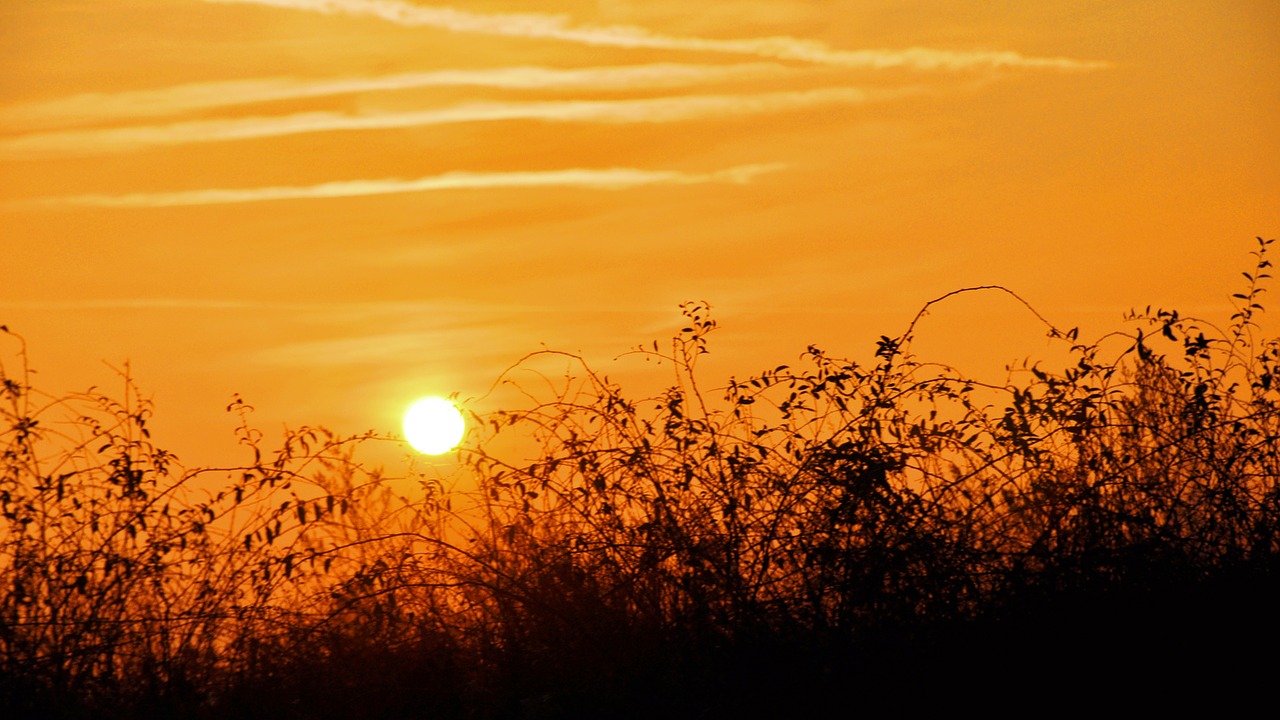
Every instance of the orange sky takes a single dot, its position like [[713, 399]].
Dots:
[[333, 206]]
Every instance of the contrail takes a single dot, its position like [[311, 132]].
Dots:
[[608, 179], [96, 107], [558, 27], [645, 110]]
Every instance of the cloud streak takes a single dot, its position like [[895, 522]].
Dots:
[[558, 27], [606, 179], [646, 110], [132, 304], [92, 108], [344, 311]]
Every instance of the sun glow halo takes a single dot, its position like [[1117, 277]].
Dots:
[[433, 425]]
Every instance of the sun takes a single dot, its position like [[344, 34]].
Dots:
[[433, 425]]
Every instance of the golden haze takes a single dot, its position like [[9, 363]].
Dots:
[[335, 212]]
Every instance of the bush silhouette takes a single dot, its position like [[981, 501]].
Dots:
[[834, 534]]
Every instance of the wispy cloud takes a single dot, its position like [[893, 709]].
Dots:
[[337, 311], [381, 349], [559, 27], [91, 108], [646, 110], [608, 179], [130, 304]]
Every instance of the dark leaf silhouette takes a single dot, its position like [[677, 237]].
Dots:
[[825, 534]]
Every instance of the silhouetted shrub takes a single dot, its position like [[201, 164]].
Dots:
[[829, 531]]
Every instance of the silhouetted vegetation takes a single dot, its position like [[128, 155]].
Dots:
[[830, 534]]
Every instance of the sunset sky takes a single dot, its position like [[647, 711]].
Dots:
[[332, 207]]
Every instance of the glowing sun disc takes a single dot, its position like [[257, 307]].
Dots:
[[433, 426]]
